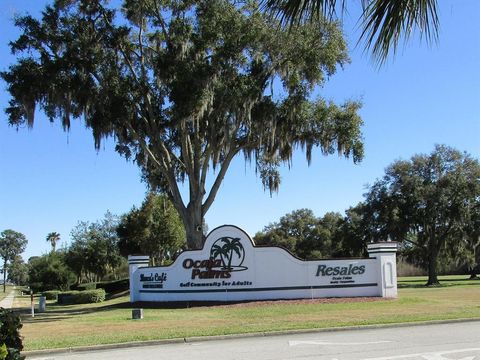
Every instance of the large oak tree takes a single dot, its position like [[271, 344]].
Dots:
[[428, 202], [184, 87]]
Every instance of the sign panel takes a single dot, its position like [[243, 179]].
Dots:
[[231, 268]]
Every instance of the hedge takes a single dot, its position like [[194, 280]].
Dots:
[[84, 286], [81, 297], [51, 294], [116, 286]]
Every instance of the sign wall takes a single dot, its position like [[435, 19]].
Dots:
[[231, 268]]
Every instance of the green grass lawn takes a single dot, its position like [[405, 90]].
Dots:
[[445, 281], [110, 322], [7, 291]]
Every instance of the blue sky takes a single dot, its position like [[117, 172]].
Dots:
[[425, 95]]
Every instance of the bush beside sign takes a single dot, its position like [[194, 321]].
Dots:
[[231, 268]]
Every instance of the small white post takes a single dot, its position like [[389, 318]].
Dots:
[[32, 303], [135, 262], [385, 253]]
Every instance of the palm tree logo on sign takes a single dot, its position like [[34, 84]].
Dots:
[[230, 251]]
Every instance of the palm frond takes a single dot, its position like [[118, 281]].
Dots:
[[384, 22], [295, 11]]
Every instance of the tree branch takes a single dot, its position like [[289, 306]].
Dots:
[[415, 243], [172, 181], [186, 155], [160, 20], [204, 170], [122, 51], [165, 168], [218, 181]]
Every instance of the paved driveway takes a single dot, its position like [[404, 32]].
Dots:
[[7, 302]]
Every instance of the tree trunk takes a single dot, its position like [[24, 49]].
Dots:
[[473, 274], [432, 269], [193, 226], [161, 257]]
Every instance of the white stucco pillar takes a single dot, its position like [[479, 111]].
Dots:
[[385, 253], [135, 262]]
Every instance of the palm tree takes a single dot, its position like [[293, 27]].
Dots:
[[383, 22], [230, 245], [218, 250], [53, 238]]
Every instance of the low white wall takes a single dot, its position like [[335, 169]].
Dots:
[[231, 268]]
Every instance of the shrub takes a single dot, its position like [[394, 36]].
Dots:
[[112, 287], [51, 294], [3, 352], [85, 286], [81, 297], [49, 272], [10, 326], [65, 297]]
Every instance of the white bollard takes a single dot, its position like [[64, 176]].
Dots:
[[32, 303]]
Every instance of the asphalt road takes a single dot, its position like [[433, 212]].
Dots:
[[459, 341]]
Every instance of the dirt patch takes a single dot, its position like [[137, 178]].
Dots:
[[191, 304], [306, 301]]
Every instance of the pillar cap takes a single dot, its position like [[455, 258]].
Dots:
[[386, 246], [138, 259]]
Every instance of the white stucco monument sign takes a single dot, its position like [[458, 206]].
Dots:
[[231, 268]]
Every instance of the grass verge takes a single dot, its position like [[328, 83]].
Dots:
[[110, 322]]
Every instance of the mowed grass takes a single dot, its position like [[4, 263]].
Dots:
[[8, 288], [110, 322]]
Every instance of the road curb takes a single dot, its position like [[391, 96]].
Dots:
[[195, 339]]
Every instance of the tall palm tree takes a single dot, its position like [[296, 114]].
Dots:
[[53, 238], [383, 22]]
